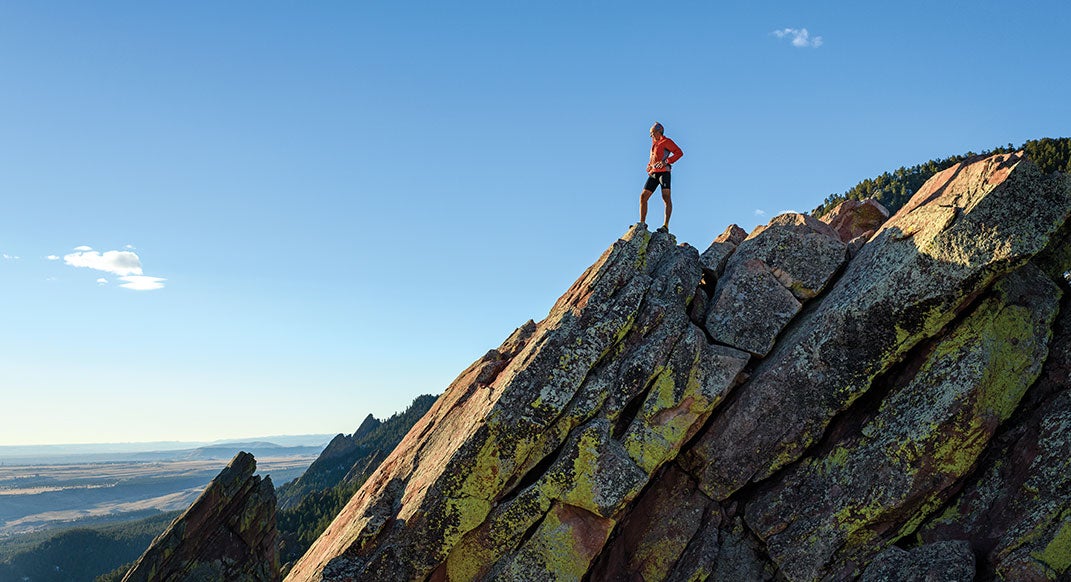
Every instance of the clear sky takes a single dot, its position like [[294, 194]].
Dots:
[[230, 219]]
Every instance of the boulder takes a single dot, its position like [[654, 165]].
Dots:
[[750, 308], [964, 228], [853, 218], [714, 258], [227, 534], [801, 251]]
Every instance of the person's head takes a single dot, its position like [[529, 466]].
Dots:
[[657, 130]]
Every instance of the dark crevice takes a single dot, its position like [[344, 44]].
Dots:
[[530, 477], [630, 411]]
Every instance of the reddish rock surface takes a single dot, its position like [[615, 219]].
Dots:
[[854, 218]]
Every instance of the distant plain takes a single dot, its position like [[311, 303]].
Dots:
[[45, 495]]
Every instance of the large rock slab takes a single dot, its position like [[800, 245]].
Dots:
[[557, 442], [227, 534], [853, 218], [964, 228], [834, 512], [1018, 511]]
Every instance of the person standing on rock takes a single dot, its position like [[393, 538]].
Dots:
[[664, 153]]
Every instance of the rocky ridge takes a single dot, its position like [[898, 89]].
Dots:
[[811, 401], [227, 534]]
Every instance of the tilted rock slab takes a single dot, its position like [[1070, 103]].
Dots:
[[227, 534], [1018, 511], [527, 470], [833, 513], [967, 226]]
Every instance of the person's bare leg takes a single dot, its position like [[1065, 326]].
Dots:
[[669, 205], [644, 196]]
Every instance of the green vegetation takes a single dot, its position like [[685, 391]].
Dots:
[[80, 553], [894, 189], [309, 503]]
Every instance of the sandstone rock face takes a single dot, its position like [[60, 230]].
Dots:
[[1017, 509], [853, 218], [227, 534], [877, 485], [591, 403], [767, 411], [963, 229]]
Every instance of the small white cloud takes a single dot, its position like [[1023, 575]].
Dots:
[[760, 212], [102, 281], [786, 212], [116, 262], [129, 247], [83, 248], [800, 37], [8, 257], [142, 282], [52, 257]]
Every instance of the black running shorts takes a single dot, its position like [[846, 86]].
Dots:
[[654, 179]]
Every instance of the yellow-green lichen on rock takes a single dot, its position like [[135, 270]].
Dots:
[[561, 548], [922, 268], [878, 486]]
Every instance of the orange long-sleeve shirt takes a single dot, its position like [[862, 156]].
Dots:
[[660, 152]]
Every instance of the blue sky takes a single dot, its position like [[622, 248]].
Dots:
[[326, 209]]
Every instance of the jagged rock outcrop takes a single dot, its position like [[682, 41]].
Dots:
[[716, 255], [853, 219], [227, 534], [907, 414], [766, 280]]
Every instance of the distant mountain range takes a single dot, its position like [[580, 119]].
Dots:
[[271, 446]]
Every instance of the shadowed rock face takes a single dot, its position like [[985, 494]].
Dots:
[[227, 534], [915, 394]]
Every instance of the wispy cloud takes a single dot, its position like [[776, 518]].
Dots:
[[760, 212], [8, 257], [786, 212], [124, 264], [52, 257], [142, 282], [799, 36]]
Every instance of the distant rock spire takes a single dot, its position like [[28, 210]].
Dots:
[[227, 534]]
